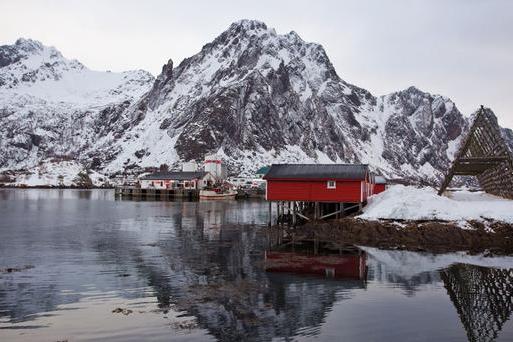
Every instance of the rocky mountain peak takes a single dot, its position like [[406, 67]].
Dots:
[[248, 47], [248, 25], [29, 45], [25, 48], [10, 54], [28, 61]]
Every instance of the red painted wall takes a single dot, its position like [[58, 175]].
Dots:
[[379, 188], [348, 266], [315, 191]]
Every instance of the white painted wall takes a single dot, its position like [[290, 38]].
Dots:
[[152, 184], [190, 166], [192, 184]]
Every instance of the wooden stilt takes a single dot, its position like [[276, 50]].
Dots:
[[280, 212], [288, 213], [270, 213]]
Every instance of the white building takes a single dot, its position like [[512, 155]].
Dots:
[[215, 166], [190, 166], [177, 180]]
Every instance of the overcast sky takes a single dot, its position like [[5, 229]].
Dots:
[[462, 49]]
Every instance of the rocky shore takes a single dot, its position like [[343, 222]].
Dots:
[[489, 237]]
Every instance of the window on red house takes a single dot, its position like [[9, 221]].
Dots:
[[332, 184]]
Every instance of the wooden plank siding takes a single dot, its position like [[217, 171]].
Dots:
[[378, 188], [350, 191]]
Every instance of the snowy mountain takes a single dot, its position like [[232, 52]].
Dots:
[[252, 95], [259, 97], [55, 108]]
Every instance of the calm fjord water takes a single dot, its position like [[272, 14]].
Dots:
[[194, 271]]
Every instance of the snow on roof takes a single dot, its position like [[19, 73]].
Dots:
[[380, 180], [401, 202], [317, 171]]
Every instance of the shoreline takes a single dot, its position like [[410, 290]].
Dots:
[[54, 187], [490, 238]]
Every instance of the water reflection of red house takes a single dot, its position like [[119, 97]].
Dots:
[[351, 266]]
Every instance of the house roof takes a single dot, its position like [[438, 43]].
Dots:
[[263, 170], [380, 180], [317, 171], [182, 175]]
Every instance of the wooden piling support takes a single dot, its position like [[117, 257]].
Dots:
[[294, 209], [270, 213]]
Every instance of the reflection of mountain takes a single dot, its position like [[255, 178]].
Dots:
[[482, 296], [212, 269]]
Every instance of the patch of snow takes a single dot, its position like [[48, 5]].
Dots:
[[401, 202], [452, 148], [158, 144], [62, 173]]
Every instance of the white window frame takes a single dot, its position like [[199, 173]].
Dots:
[[331, 184]]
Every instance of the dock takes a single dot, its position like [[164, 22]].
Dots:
[[132, 192], [250, 193]]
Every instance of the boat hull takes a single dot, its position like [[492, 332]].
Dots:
[[212, 195]]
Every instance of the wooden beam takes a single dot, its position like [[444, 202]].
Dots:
[[297, 212], [330, 214], [494, 159]]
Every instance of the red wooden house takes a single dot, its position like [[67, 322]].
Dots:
[[316, 191], [331, 183]]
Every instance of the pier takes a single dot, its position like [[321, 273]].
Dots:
[[136, 193], [250, 193]]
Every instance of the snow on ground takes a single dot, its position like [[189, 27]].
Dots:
[[50, 173], [410, 203], [408, 264]]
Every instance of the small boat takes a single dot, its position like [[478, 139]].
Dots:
[[216, 194]]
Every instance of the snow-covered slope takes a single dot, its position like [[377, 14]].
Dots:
[[53, 107], [59, 173], [252, 95]]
